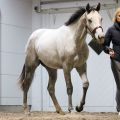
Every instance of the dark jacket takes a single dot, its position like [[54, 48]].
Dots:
[[113, 35]]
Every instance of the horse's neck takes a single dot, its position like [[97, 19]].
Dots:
[[80, 32]]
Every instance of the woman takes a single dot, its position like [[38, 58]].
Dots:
[[113, 35]]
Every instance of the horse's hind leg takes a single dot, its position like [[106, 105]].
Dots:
[[27, 77], [82, 72], [51, 88]]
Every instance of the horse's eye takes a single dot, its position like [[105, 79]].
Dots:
[[90, 20]]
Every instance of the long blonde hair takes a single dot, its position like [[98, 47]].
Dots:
[[115, 15]]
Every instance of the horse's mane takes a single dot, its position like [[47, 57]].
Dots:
[[75, 16]]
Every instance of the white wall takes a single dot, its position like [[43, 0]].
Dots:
[[16, 24], [101, 93]]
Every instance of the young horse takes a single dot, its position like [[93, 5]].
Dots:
[[63, 48]]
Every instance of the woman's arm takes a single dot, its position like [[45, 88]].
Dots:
[[108, 37], [106, 48]]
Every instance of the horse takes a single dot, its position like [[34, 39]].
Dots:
[[62, 48]]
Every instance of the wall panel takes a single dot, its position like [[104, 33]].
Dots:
[[16, 25]]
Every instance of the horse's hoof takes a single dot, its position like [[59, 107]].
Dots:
[[27, 112], [70, 109], [61, 112], [79, 109]]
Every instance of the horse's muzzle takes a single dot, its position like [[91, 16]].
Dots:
[[101, 39]]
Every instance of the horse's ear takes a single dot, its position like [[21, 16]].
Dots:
[[98, 7], [88, 8]]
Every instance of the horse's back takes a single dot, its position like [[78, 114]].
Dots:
[[49, 36]]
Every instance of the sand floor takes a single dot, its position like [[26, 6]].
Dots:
[[55, 116]]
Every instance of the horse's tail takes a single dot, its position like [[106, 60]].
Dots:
[[27, 74], [22, 78], [26, 77]]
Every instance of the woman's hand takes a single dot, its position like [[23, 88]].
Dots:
[[111, 53]]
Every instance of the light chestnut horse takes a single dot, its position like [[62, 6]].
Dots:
[[63, 48]]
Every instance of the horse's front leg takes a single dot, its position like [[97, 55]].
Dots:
[[51, 88], [82, 72], [69, 86]]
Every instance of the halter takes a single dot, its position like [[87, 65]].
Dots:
[[94, 30]]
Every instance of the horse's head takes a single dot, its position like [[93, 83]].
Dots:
[[94, 23]]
